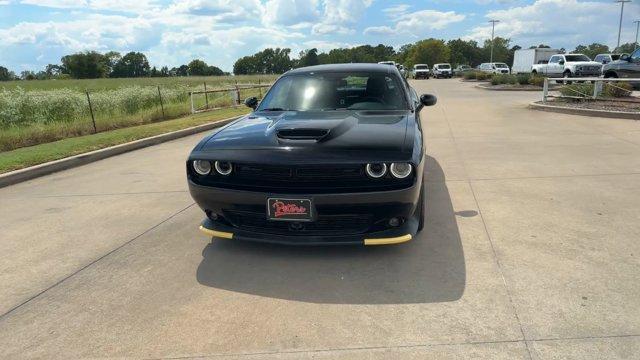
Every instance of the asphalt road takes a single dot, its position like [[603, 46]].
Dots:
[[530, 250]]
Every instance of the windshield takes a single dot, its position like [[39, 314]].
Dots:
[[574, 58], [500, 65], [422, 67], [335, 90], [444, 66]]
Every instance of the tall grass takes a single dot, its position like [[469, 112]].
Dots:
[[39, 116]]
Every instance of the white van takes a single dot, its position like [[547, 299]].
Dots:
[[442, 71], [494, 68]]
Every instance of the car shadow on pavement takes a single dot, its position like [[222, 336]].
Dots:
[[430, 268]]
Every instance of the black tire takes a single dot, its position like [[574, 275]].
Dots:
[[610, 75], [422, 210], [534, 73], [567, 75]]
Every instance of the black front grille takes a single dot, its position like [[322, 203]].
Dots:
[[302, 179], [323, 225]]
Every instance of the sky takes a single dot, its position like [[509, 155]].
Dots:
[[34, 33]]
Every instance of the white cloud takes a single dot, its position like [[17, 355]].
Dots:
[[396, 10], [290, 12], [559, 23], [339, 15], [417, 23]]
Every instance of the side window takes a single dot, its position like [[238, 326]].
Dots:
[[554, 60], [636, 56], [599, 58]]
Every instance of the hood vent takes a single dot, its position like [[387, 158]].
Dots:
[[302, 134]]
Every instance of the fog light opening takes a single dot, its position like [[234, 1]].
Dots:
[[396, 221]]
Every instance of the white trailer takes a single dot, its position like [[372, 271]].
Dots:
[[524, 59]]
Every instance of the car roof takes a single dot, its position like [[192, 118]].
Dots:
[[355, 67]]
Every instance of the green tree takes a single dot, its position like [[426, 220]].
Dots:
[[501, 50], [5, 74], [627, 48], [464, 52], [308, 58], [133, 64], [267, 61], [430, 51], [592, 50], [86, 65]]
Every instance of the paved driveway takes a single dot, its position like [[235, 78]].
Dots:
[[530, 250]]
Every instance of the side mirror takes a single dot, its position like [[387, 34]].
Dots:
[[251, 102], [428, 100]]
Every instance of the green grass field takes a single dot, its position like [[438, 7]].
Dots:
[[41, 111], [110, 84], [38, 154]]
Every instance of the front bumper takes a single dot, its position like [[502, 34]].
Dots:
[[378, 207]]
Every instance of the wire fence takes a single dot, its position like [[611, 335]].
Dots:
[[229, 96], [588, 89]]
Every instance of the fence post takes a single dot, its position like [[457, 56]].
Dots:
[[206, 96], [237, 99], [193, 110], [259, 88], [93, 119], [597, 88], [545, 90], [161, 104]]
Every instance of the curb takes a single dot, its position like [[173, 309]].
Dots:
[[586, 112], [493, 88], [32, 172]]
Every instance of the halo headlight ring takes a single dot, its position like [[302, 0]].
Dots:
[[223, 167], [376, 170], [201, 167], [401, 170]]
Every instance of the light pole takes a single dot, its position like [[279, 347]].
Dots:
[[622, 2], [493, 30], [637, 22]]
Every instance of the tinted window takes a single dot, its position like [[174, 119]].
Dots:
[[422, 67], [501, 66], [615, 57], [329, 91], [636, 55], [573, 58], [444, 66]]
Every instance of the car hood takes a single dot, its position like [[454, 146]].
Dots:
[[421, 70], [583, 63], [322, 131]]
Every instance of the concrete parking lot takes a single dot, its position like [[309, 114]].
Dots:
[[531, 251]]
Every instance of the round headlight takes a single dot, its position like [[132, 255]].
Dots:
[[202, 167], [223, 167], [400, 170], [376, 170]]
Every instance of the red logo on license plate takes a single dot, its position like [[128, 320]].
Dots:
[[282, 208]]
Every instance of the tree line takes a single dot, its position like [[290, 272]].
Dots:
[[92, 64], [428, 51]]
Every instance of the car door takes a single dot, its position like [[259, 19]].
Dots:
[[554, 68], [631, 68]]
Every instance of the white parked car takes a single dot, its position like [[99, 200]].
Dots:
[[607, 58], [567, 66], [494, 68], [421, 71], [442, 71]]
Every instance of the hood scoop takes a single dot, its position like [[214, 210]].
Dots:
[[302, 134]]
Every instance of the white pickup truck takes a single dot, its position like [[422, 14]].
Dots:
[[567, 66]]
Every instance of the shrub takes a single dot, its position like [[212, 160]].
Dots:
[[523, 79], [498, 79], [579, 90], [481, 75], [616, 90], [469, 75], [536, 80]]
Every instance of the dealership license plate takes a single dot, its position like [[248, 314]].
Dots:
[[289, 209]]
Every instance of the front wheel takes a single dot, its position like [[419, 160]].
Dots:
[[567, 75]]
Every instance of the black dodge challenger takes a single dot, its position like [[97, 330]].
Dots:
[[333, 154]]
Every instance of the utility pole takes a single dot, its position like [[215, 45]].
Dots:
[[637, 22], [622, 2], [493, 30]]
